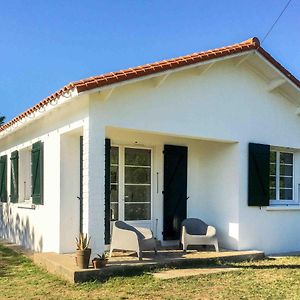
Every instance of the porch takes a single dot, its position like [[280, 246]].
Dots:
[[198, 178], [122, 264]]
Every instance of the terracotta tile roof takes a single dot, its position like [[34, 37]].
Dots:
[[153, 68]]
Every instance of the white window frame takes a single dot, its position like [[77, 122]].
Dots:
[[278, 201], [121, 199]]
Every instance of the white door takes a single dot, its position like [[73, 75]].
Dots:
[[131, 185]]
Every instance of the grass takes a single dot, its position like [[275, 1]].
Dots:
[[266, 279]]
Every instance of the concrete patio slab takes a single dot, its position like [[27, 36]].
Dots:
[[125, 265], [175, 273]]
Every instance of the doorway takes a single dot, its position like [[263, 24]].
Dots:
[[175, 190]]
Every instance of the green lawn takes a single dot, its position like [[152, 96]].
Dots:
[[268, 279]]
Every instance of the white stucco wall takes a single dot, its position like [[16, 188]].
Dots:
[[43, 227], [69, 186]]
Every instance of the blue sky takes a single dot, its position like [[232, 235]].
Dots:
[[47, 44]]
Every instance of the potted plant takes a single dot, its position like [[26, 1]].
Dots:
[[83, 252], [100, 261]]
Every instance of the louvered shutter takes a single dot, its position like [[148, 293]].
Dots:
[[3, 178], [258, 175], [37, 172], [14, 177]]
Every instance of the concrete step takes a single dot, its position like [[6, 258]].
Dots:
[[64, 265]]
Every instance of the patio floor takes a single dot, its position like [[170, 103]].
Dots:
[[124, 264]]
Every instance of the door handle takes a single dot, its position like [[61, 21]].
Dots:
[[79, 198]]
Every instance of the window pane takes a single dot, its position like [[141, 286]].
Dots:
[[114, 155], [137, 193], [272, 194], [114, 174], [286, 182], [137, 175], [286, 194], [272, 169], [273, 157], [137, 157], [114, 210], [137, 211], [272, 181], [286, 170], [286, 158], [114, 193]]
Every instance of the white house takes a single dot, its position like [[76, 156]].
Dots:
[[212, 135]]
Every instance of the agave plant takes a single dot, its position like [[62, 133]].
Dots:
[[82, 241]]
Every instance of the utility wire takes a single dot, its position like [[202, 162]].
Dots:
[[273, 25]]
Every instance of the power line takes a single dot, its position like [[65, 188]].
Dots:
[[273, 25]]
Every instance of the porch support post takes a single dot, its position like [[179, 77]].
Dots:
[[93, 181]]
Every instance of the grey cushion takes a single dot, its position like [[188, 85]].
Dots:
[[195, 226]]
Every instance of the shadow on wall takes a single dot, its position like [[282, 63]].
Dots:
[[4, 224], [18, 230]]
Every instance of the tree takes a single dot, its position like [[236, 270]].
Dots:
[[2, 119]]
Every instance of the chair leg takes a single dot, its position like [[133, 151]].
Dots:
[[184, 247], [139, 254], [216, 246], [111, 251]]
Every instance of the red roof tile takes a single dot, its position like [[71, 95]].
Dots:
[[153, 68]]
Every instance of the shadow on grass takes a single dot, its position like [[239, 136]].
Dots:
[[8, 260]]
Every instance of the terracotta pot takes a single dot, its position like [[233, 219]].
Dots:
[[99, 263], [83, 258]]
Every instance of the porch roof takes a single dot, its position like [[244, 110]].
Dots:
[[252, 44]]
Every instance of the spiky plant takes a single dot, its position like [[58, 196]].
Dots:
[[104, 256], [82, 241]]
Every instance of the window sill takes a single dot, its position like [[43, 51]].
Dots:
[[295, 207], [26, 205]]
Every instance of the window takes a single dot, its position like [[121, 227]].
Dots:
[[137, 184], [130, 183], [25, 175], [114, 183], [30, 178], [281, 177]]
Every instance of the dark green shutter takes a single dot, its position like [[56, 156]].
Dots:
[[258, 175], [14, 177], [37, 172], [3, 178], [107, 191], [81, 185]]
